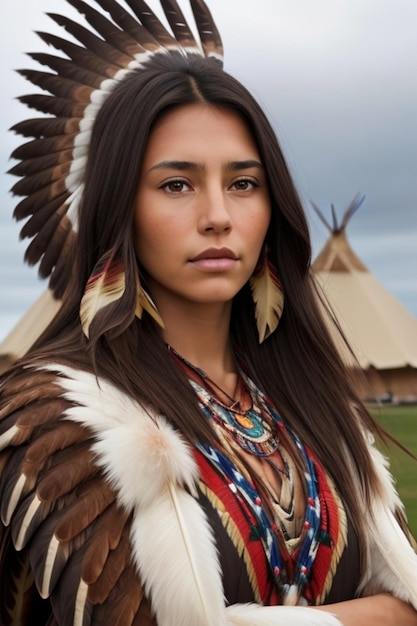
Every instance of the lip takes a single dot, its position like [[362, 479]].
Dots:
[[215, 253], [215, 260]]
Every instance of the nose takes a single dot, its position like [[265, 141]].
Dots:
[[214, 214]]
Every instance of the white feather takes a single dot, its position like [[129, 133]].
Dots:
[[154, 472], [392, 562], [49, 567], [255, 615], [175, 552], [30, 513], [14, 499]]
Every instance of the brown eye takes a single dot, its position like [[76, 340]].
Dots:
[[175, 186], [244, 184]]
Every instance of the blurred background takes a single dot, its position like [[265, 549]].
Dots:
[[337, 78]]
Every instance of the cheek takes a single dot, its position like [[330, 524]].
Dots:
[[258, 228]]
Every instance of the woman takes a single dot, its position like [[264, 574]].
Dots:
[[181, 446]]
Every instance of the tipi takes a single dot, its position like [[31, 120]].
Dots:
[[28, 328], [379, 329]]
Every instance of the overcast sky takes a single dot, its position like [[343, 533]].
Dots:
[[338, 79]]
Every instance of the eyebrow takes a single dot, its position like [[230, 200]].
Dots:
[[189, 165]]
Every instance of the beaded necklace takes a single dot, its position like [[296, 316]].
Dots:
[[252, 430], [256, 437], [290, 584]]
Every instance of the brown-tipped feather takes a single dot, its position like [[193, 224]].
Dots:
[[60, 107], [152, 24], [38, 219], [43, 239], [60, 277], [99, 47], [47, 127], [43, 147], [36, 182], [54, 259], [123, 19], [28, 167], [26, 208], [117, 38], [178, 23], [67, 69], [207, 29], [81, 56], [61, 87]]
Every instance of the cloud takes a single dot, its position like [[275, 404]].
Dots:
[[338, 81]]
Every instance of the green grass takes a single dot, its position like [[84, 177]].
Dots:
[[401, 422]]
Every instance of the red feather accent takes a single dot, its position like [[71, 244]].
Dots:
[[106, 285]]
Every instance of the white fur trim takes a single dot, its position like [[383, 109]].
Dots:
[[153, 471], [392, 562], [255, 615]]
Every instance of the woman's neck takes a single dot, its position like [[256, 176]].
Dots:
[[201, 336]]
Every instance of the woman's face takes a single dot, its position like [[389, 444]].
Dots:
[[202, 206]]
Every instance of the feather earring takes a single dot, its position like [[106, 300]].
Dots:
[[105, 286], [268, 297], [145, 303]]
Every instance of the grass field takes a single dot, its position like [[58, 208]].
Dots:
[[401, 422]]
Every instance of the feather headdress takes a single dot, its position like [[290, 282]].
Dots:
[[76, 83]]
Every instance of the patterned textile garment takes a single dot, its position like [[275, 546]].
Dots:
[[280, 511], [104, 506]]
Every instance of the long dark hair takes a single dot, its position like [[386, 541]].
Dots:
[[297, 366]]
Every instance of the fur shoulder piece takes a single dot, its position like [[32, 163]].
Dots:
[[100, 493], [392, 560]]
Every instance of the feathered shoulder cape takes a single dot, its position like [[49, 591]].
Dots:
[[100, 513]]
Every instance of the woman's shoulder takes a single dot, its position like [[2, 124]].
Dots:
[[59, 510]]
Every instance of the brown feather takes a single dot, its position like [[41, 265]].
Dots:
[[152, 24], [81, 56], [66, 469], [127, 23], [29, 167], [43, 147], [117, 38], [38, 219], [61, 87], [67, 69], [56, 258], [96, 45], [45, 236], [111, 535], [178, 23], [93, 497], [45, 390], [209, 34], [41, 180], [61, 107], [123, 602], [47, 127], [17, 588]]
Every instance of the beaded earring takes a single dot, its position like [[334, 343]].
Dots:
[[267, 295]]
